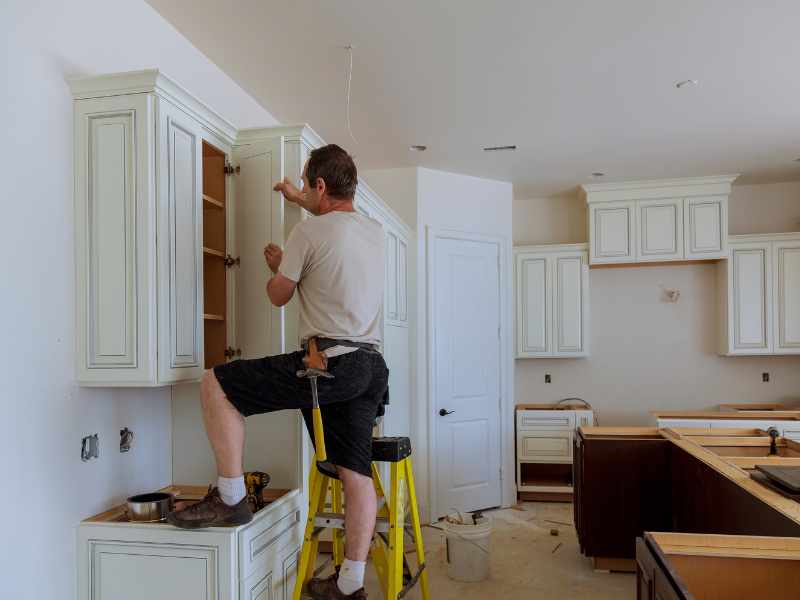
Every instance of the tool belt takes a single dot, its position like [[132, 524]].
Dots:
[[324, 343]]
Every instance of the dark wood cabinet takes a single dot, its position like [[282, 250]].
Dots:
[[654, 578], [621, 490]]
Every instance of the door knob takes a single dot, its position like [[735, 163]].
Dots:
[[444, 413]]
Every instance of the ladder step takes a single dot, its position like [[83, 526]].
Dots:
[[329, 520]]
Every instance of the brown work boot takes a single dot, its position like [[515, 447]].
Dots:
[[211, 511], [326, 589]]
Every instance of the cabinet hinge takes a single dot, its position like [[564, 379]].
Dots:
[[230, 352], [230, 261], [230, 169]]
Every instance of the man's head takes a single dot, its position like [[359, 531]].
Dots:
[[329, 179]]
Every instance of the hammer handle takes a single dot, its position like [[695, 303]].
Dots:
[[319, 436]]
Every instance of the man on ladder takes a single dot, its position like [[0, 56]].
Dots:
[[335, 262]]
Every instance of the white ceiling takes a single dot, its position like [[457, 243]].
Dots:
[[578, 85]]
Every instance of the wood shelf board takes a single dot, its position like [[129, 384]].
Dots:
[[209, 317], [209, 202], [728, 545], [213, 252], [550, 407], [619, 431], [756, 406], [750, 462], [184, 492], [755, 415]]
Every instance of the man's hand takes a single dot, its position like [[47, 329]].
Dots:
[[274, 255], [289, 191]]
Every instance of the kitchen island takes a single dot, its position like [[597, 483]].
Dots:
[[629, 480], [123, 560]]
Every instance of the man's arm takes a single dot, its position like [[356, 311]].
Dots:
[[280, 289]]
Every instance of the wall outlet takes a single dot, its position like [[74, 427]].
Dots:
[[765, 377], [90, 447], [125, 439], [547, 378]]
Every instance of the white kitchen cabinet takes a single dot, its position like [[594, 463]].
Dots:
[[613, 232], [544, 447], [759, 295], [660, 225], [786, 295], [705, 219], [120, 560], [552, 297], [659, 220]]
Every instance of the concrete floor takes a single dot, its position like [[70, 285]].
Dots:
[[524, 561]]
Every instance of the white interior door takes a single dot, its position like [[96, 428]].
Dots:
[[465, 327]]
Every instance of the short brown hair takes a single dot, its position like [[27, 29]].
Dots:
[[336, 168]]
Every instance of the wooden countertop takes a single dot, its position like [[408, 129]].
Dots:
[[753, 415], [551, 407]]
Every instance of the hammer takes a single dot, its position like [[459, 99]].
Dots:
[[316, 364]]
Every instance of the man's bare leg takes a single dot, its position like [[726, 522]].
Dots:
[[224, 427], [361, 507]]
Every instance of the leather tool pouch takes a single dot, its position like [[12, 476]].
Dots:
[[314, 359]]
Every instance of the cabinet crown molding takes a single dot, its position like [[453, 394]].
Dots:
[[301, 132], [657, 188], [156, 82]]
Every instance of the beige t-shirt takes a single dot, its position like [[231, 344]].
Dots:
[[337, 260]]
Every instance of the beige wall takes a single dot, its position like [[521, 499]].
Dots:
[[647, 354]]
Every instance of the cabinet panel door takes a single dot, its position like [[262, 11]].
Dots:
[[786, 261], [259, 325], [402, 280], [751, 299], [180, 237], [130, 571], [571, 284], [612, 232], [660, 225], [533, 306], [544, 446], [391, 275], [115, 264], [706, 229]]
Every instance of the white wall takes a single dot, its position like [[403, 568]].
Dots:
[[647, 354], [437, 199], [46, 489]]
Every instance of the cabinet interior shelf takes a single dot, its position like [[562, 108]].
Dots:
[[212, 252], [210, 317], [209, 202]]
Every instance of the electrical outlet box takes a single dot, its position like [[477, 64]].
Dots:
[[547, 378], [765, 377], [90, 447]]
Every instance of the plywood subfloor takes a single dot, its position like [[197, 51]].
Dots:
[[523, 564]]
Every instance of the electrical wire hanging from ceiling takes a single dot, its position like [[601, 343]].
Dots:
[[349, 49]]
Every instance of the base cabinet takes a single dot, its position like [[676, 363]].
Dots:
[[129, 561]]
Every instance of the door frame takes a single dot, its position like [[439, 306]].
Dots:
[[506, 433]]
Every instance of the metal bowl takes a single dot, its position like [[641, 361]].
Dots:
[[150, 508]]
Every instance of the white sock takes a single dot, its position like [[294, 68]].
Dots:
[[231, 489], [351, 576]]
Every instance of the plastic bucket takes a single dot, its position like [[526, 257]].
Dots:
[[468, 549]]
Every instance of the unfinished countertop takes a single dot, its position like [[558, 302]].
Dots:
[[739, 414]]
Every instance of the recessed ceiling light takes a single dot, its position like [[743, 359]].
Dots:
[[598, 174], [418, 148], [498, 148], [686, 83]]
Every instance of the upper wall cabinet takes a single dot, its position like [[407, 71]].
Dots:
[[655, 221], [552, 298], [759, 288]]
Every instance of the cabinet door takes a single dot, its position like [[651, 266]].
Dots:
[[660, 225], [115, 241], [132, 571], [612, 232], [259, 210], [786, 264], [570, 305], [706, 227], [546, 446], [392, 291], [750, 293], [533, 306], [180, 254]]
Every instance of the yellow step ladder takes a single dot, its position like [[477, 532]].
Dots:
[[388, 542]]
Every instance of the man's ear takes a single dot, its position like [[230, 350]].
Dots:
[[320, 186]]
